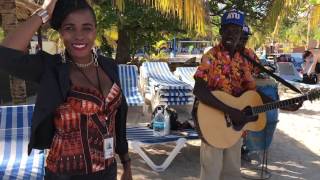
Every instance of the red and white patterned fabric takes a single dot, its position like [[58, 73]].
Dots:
[[82, 122]]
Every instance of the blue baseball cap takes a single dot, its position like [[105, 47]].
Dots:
[[233, 17], [246, 30]]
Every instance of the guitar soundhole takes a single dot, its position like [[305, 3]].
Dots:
[[248, 111]]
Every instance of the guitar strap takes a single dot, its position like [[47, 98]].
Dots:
[[278, 78]]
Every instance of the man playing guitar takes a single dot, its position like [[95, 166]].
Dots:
[[223, 68]]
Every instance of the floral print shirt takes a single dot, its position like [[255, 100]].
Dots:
[[233, 75]]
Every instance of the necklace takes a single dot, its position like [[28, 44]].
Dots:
[[90, 82], [80, 65]]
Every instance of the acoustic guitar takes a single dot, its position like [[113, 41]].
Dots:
[[217, 128]]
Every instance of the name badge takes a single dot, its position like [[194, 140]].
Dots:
[[108, 148]]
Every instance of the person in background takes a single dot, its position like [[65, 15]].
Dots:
[[316, 57], [308, 69], [309, 63], [283, 58], [80, 111]]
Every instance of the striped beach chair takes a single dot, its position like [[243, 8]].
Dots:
[[15, 122], [142, 136], [129, 82], [288, 71], [163, 86], [137, 109], [186, 74]]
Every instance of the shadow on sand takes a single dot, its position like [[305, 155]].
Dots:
[[288, 160]]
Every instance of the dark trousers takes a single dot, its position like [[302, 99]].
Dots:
[[108, 174]]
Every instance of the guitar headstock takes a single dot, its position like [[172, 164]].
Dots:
[[313, 94]]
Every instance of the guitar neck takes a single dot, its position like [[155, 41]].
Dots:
[[278, 104]]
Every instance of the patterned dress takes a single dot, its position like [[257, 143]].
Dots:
[[82, 122]]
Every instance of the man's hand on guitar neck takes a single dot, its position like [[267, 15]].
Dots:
[[293, 107]]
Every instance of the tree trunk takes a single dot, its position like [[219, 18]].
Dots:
[[9, 23], [123, 46], [18, 90], [309, 28]]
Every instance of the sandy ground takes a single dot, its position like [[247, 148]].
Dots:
[[293, 154]]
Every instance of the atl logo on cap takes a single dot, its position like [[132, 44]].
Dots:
[[233, 15]]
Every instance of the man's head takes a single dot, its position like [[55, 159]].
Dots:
[[244, 38], [231, 29]]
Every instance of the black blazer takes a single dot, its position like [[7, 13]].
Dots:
[[52, 75]]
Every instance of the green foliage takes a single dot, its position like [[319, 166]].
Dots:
[[1, 34], [255, 11], [295, 33], [317, 34], [314, 2], [145, 25]]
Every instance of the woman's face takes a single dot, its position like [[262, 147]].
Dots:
[[78, 32]]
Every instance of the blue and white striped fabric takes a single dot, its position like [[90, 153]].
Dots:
[[145, 135], [129, 82], [186, 74], [14, 137], [177, 92], [15, 116], [161, 82], [160, 75]]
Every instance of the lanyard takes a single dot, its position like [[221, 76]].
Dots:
[[89, 81]]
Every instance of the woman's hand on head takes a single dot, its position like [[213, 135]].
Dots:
[[49, 6]]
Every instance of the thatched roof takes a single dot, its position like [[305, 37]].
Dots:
[[25, 8]]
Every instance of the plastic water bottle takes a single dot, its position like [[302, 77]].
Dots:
[[159, 123], [167, 122]]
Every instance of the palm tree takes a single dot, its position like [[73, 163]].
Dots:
[[11, 11], [281, 9], [191, 12]]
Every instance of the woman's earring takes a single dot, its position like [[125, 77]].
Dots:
[[95, 56], [63, 56]]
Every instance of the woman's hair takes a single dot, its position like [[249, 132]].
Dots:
[[64, 7], [306, 54]]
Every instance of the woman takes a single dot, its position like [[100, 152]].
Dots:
[[308, 69], [80, 112]]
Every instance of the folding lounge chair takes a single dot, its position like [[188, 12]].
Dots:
[[164, 87], [15, 116], [14, 137], [185, 74], [304, 86], [140, 136], [129, 82], [288, 72]]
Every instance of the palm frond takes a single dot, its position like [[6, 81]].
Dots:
[[315, 16], [191, 12], [279, 10]]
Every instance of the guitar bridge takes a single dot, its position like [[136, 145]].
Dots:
[[228, 119]]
